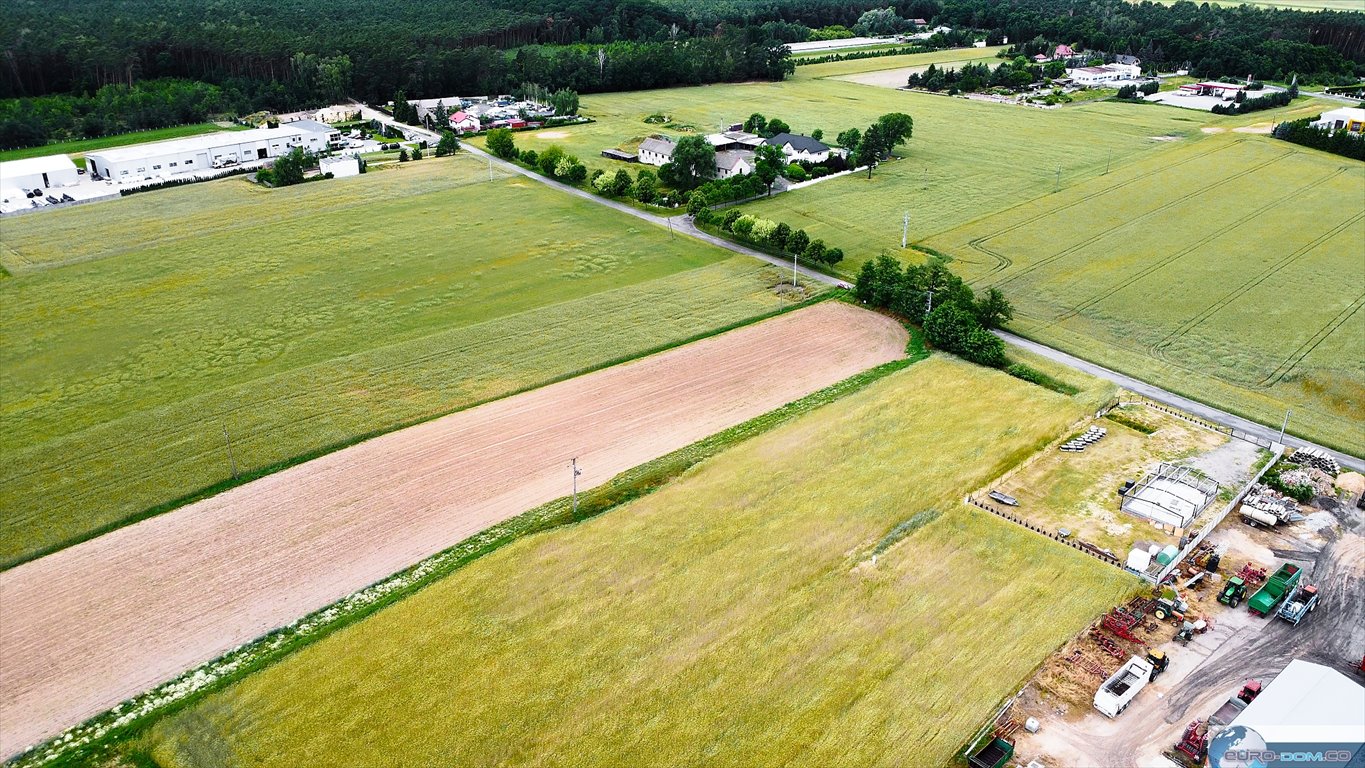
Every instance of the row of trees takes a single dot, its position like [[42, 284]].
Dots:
[[1341, 142], [1013, 75], [1135, 92], [777, 235], [954, 318], [111, 110]]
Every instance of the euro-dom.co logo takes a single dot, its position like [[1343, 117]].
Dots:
[[1242, 747]]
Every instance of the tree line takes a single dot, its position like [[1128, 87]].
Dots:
[[1340, 142]]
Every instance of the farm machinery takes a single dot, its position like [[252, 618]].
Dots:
[[1194, 744], [1276, 589], [1233, 593], [1300, 604]]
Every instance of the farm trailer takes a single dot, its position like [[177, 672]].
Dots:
[[1300, 604], [1275, 589]]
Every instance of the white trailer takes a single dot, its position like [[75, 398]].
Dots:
[[1119, 690]]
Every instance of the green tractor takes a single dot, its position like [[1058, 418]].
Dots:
[[1233, 594]]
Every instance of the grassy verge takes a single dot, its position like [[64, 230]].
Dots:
[[100, 736], [1035, 376]]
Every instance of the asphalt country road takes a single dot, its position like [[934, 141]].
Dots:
[[684, 225]]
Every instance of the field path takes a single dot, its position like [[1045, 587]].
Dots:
[[94, 624]]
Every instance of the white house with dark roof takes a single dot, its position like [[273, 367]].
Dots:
[[800, 148], [656, 151]]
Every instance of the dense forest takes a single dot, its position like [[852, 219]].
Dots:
[[91, 67]]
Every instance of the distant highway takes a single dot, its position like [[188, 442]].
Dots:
[[684, 225]]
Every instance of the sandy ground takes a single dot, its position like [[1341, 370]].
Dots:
[[92, 625], [552, 134], [1214, 665]]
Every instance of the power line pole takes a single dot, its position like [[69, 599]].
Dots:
[[793, 269], [232, 461], [1285, 425], [576, 472], [905, 228]]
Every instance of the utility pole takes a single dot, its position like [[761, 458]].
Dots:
[[1285, 425], [905, 228], [490, 167], [576, 472], [232, 461], [670, 227], [793, 269]]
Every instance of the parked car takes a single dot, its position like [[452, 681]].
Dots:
[[67, 198], [52, 199]]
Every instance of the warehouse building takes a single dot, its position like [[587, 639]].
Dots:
[[201, 154], [38, 173], [1307, 711]]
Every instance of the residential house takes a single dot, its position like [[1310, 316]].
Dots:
[[463, 122], [1063, 52], [800, 148], [734, 139], [734, 162], [1350, 119], [656, 151]]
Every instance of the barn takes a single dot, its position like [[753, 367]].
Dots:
[[197, 154]]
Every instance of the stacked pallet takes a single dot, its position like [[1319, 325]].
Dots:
[[1090, 437]]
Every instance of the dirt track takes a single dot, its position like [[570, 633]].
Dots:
[[92, 625]]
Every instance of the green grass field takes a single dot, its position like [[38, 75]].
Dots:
[[1229, 270], [81, 146], [136, 330], [730, 618]]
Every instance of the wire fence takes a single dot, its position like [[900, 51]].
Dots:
[[1083, 546]]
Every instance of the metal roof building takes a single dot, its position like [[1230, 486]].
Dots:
[[38, 173], [1307, 704], [197, 154]]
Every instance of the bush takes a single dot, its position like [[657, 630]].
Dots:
[[1035, 376], [780, 235], [795, 173], [743, 226], [816, 251], [797, 241], [728, 221], [501, 143], [529, 157], [602, 183]]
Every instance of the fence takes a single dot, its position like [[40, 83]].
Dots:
[[1209, 425], [1089, 549]]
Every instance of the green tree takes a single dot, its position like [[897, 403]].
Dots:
[[565, 101], [815, 251], [780, 234], [849, 139], [834, 256], [529, 157], [620, 183], [776, 126], [797, 241], [768, 162], [696, 204], [549, 160], [501, 143], [403, 155], [694, 161], [448, 145], [732, 215], [417, 152], [646, 187], [817, 134], [578, 172], [756, 123]]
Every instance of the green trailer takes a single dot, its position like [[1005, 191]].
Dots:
[[993, 755], [1276, 589]]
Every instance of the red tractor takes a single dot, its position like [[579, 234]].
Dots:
[[1194, 745]]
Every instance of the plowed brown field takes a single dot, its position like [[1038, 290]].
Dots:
[[89, 626]]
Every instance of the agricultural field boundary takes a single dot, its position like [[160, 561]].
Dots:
[[270, 469], [96, 736]]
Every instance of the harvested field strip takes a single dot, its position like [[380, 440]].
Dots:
[[732, 617], [113, 616]]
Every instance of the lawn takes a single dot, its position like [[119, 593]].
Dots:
[[1229, 270], [81, 146], [733, 617], [137, 331]]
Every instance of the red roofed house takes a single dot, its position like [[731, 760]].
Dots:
[[1063, 52], [463, 122]]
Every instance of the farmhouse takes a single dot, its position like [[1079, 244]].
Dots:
[[800, 148], [1350, 119], [38, 173], [1062, 52], [656, 151], [463, 122], [733, 162], [202, 153], [1108, 73]]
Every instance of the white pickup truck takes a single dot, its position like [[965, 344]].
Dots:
[[1118, 691]]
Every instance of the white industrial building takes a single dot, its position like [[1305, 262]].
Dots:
[[1108, 73], [38, 173], [1307, 707], [198, 154]]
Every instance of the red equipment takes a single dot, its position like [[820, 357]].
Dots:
[[1195, 743], [1122, 623], [1250, 691], [1251, 574]]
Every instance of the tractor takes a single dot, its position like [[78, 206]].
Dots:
[[1233, 594]]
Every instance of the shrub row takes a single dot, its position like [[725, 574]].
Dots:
[[1339, 142], [776, 235]]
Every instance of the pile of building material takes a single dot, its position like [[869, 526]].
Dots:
[[1265, 506], [1314, 478], [1078, 444], [1315, 457]]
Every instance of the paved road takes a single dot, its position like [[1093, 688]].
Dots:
[[684, 225]]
